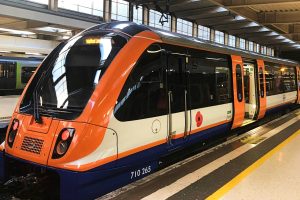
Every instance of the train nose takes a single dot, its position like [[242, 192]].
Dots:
[[29, 140]]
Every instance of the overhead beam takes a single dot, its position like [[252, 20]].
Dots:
[[279, 17], [201, 12], [11, 11], [247, 30], [236, 25], [294, 28], [257, 34], [293, 36], [217, 20], [244, 3]]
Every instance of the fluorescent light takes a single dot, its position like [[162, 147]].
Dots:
[[273, 34], [34, 54], [297, 46], [280, 37], [239, 17], [252, 24], [263, 29], [17, 32], [288, 41], [52, 29], [221, 9]]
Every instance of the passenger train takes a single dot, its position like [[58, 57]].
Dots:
[[15, 72], [104, 108]]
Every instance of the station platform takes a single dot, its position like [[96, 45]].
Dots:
[[260, 164]]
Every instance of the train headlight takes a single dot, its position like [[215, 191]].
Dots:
[[63, 142], [12, 133]]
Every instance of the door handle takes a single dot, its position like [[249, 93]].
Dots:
[[185, 114], [170, 133]]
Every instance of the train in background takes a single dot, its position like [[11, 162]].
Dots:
[[106, 107], [15, 72]]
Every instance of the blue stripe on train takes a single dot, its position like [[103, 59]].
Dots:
[[101, 180], [279, 108]]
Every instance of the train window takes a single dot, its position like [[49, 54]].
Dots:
[[1, 70], [279, 79], [144, 94], [239, 82], [26, 73], [289, 79], [261, 83], [7, 70], [177, 81], [209, 79], [8, 79], [84, 58]]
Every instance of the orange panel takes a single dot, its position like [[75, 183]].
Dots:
[[32, 145], [262, 99], [298, 83], [239, 105]]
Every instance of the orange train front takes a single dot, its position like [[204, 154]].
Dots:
[[107, 106]]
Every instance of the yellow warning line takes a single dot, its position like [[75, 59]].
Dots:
[[228, 186]]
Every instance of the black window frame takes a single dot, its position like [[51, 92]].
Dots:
[[261, 82], [239, 82]]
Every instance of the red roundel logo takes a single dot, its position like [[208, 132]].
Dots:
[[199, 119]]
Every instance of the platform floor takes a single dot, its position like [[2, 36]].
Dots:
[[263, 163]]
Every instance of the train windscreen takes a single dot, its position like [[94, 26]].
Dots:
[[65, 86]]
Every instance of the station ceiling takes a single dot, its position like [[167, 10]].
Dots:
[[274, 23]]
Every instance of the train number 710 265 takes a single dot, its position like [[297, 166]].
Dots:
[[140, 172]]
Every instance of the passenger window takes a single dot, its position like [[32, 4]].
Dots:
[[239, 82], [177, 82], [209, 78], [279, 79], [7, 70], [261, 82], [144, 94]]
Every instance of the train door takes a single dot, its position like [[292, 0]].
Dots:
[[177, 88], [250, 91], [262, 96], [238, 91], [298, 83]]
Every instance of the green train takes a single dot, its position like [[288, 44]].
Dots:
[[14, 75]]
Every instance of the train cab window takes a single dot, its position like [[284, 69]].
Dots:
[[239, 82], [144, 94], [261, 83], [209, 79], [26, 73]]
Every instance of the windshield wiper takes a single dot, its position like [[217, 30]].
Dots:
[[36, 114]]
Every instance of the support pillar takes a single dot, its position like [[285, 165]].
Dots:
[[173, 24], [107, 10], [145, 15], [226, 38], [212, 35], [53, 5], [195, 30]]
